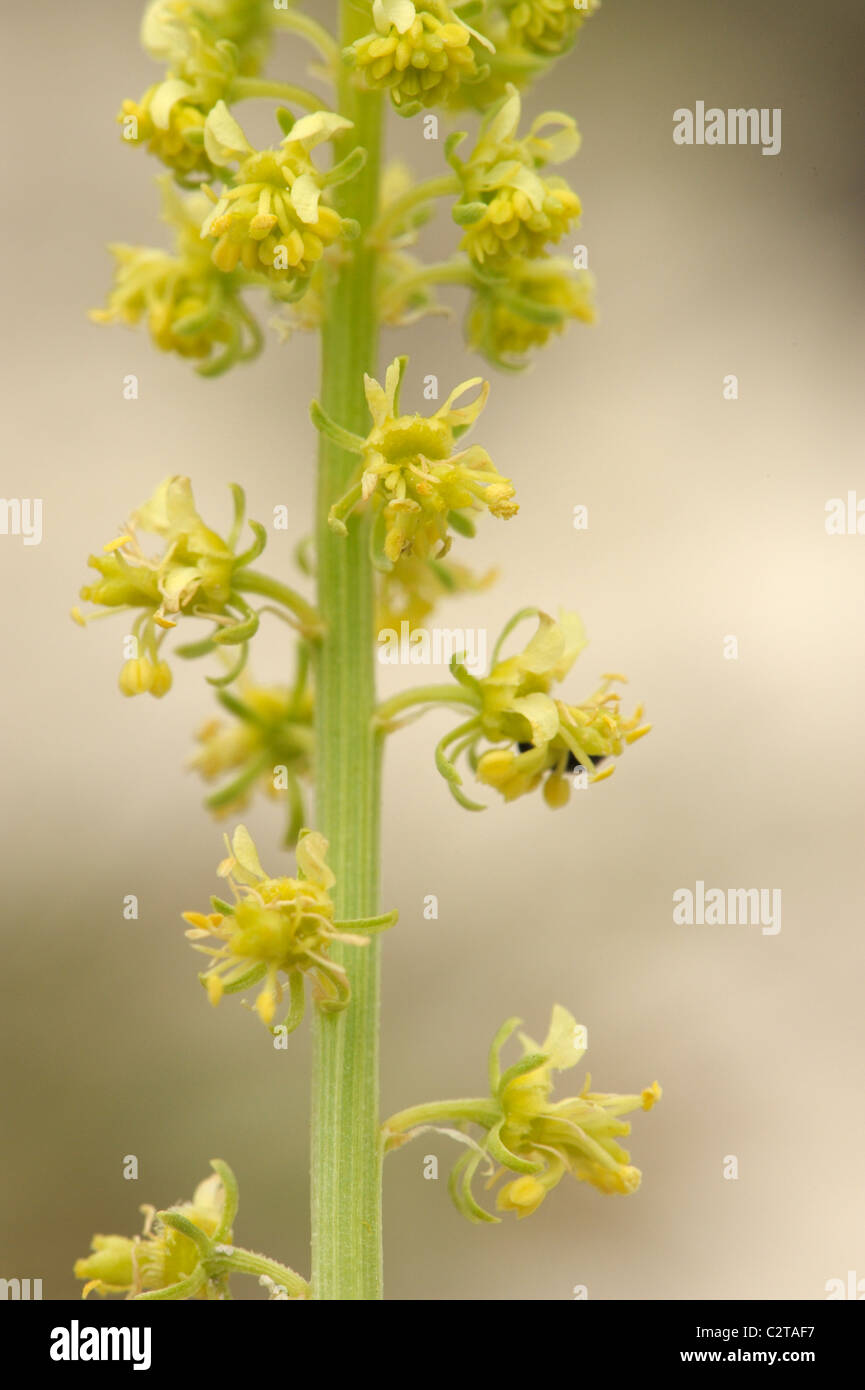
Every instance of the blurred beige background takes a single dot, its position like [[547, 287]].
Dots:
[[706, 519]]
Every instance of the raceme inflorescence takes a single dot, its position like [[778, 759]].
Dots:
[[311, 231]]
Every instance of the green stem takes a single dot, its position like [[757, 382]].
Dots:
[[248, 1262], [453, 272], [415, 197], [246, 88], [346, 1143], [482, 1111], [251, 582], [298, 23], [423, 695]]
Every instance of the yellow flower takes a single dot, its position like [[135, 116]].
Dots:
[[278, 927], [420, 488], [577, 1136], [537, 737], [173, 132], [109, 1268], [270, 732], [521, 308], [162, 1256], [271, 219], [526, 1132], [188, 306], [548, 26], [205, 46], [197, 574], [413, 588], [186, 1251], [506, 207], [171, 29], [421, 53]]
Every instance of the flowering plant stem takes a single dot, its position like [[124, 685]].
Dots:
[[346, 1143]]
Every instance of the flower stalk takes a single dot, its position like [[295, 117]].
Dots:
[[328, 237], [346, 1147]]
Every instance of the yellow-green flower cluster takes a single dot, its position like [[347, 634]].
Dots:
[[403, 293], [184, 1252], [507, 207], [278, 927], [524, 39], [419, 52], [266, 743], [414, 587], [205, 44], [197, 574], [187, 304], [522, 307], [271, 218], [529, 1134], [536, 737], [548, 27], [160, 1258], [409, 472]]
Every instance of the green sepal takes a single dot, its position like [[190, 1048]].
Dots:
[[286, 119], [508, 629], [234, 672], [368, 924], [347, 168], [465, 677], [452, 143], [532, 311], [459, 1186], [401, 365], [466, 214], [229, 793], [190, 650], [238, 497], [502, 1154], [220, 905], [240, 709], [379, 558], [194, 323], [217, 365], [460, 523], [253, 975], [530, 1062], [252, 553], [507, 1029], [181, 1223], [344, 438], [297, 1004], [449, 772], [236, 633], [232, 1200]]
